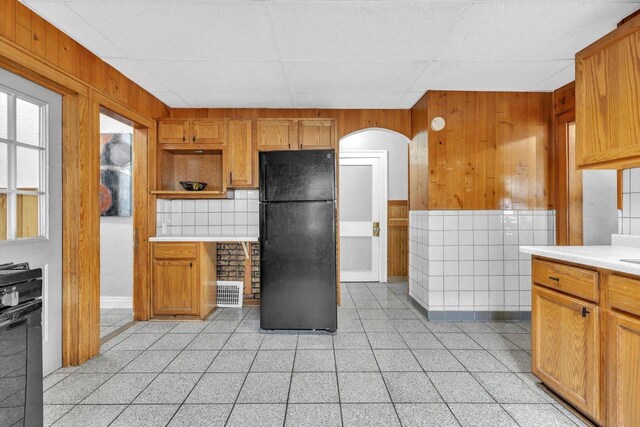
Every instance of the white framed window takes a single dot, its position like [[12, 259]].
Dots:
[[23, 170]]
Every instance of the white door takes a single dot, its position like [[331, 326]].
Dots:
[[362, 207], [31, 195]]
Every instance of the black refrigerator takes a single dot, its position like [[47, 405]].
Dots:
[[298, 240]]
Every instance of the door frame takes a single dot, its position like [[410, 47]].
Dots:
[[382, 156], [80, 186]]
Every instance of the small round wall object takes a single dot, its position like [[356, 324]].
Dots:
[[437, 124]]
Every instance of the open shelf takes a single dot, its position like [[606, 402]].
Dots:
[[190, 165]]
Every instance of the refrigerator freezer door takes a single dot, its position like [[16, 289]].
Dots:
[[287, 176], [298, 265]]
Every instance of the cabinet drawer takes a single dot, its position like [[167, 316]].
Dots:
[[174, 250], [574, 281], [624, 294]]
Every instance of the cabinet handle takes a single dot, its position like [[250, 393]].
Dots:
[[190, 265], [230, 177], [585, 312], [194, 138], [555, 279], [184, 139]]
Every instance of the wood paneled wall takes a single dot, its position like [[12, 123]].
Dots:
[[27, 31], [348, 121], [398, 238], [36, 50], [492, 154], [418, 156]]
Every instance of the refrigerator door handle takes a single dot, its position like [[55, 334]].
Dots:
[[263, 221]]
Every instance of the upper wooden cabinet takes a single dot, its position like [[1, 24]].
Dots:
[[276, 134], [173, 131], [608, 100], [240, 153], [208, 131], [196, 131], [316, 134]]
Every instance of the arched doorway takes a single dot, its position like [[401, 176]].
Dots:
[[373, 186]]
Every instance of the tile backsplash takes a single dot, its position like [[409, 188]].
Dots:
[[469, 261], [629, 219], [215, 217]]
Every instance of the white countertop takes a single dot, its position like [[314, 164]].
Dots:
[[203, 239], [596, 256]]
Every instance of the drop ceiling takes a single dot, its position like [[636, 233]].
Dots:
[[334, 53]]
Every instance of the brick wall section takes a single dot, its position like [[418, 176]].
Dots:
[[230, 265]]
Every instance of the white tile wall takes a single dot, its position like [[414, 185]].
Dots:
[[215, 217], [470, 261], [629, 218]]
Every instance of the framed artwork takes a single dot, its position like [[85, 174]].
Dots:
[[115, 174]]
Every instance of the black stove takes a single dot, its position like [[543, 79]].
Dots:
[[20, 345]]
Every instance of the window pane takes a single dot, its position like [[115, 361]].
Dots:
[[27, 122], [28, 165], [4, 166], [4, 117], [3, 216], [27, 216]]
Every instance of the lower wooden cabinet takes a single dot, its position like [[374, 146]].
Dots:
[[183, 279], [566, 347], [623, 370]]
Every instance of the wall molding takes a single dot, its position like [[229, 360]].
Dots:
[[116, 302]]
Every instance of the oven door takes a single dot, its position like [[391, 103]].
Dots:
[[21, 365]]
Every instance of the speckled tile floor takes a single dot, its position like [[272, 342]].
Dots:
[[386, 366], [113, 318]]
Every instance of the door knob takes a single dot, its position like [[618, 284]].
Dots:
[[376, 229]]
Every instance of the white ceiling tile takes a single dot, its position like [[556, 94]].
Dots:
[[530, 30], [334, 54], [363, 31], [376, 99], [211, 31], [194, 76], [490, 76], [171, 99], [352, 76], [559, 79], [135, 72], [237, 100], [76, 27], [409, 99]]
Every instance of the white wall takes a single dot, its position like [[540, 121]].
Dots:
[[116, 258], [397, 145], [599, 206]]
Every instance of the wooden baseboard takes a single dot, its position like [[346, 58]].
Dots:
[[251, 301]]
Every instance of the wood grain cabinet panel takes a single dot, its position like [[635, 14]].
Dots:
[[208, 131], [173, 131], [566, 347], [623, 371], [575, 281], [608, 100], [316, 134], [624, 294], [276, 134], [240, 153], [183, 279], [174, 288]]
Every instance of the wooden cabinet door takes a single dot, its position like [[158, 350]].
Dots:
[[174, 288], [276, 135], [208, 131], [173, 132], [623, 370], [608, 100], [566, 348], [240, 153], [316, 134]]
